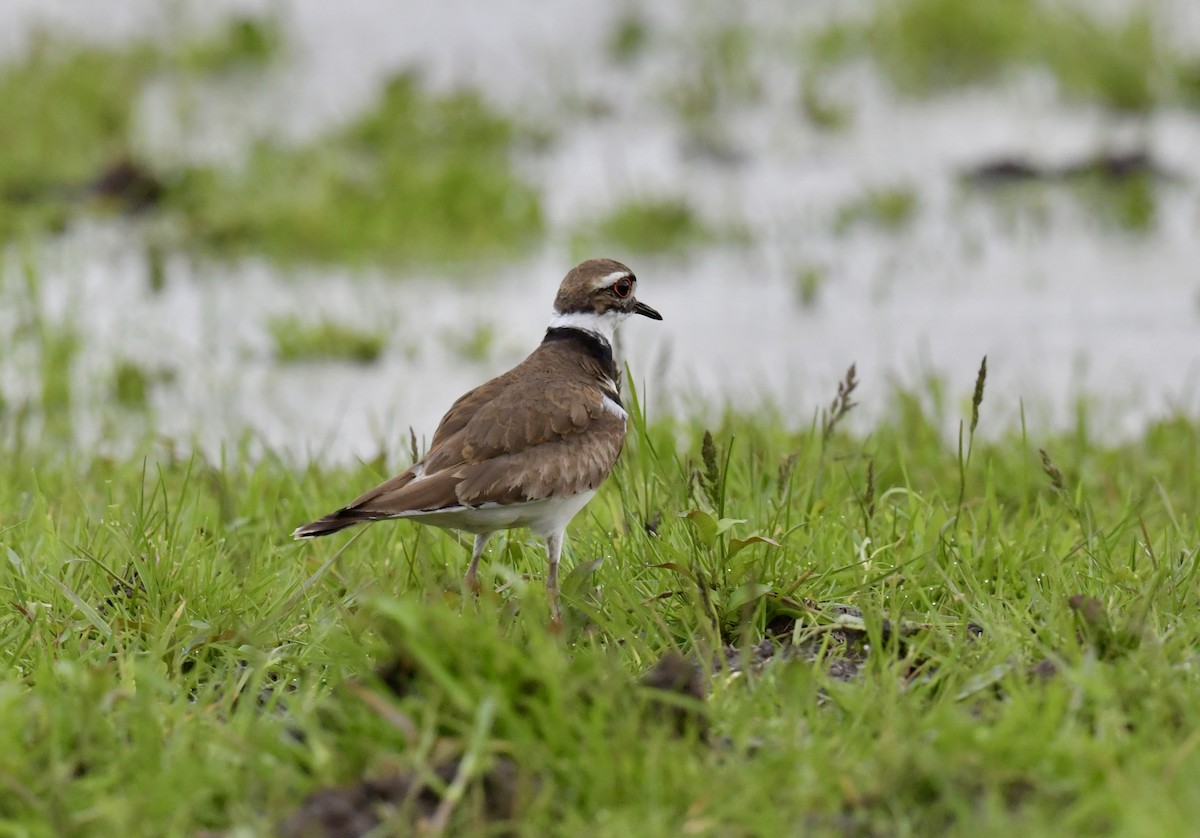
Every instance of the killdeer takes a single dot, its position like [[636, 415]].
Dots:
[[530, 447]]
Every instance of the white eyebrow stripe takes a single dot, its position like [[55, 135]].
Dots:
[[613, 278]]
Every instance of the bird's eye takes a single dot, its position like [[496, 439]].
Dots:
[[623, 288]]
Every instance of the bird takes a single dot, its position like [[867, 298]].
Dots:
[[528, 448]]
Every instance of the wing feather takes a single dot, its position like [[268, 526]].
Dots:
[[572, 463], [539, 430]]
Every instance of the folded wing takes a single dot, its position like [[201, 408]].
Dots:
[[504, 442]]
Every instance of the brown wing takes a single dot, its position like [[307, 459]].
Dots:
[[529, 413], [553, 461], [528, 443], [517, 437], [442, 454], [564, 442], [467, 405], [532, 404]]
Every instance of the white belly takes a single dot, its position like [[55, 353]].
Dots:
[[542, 516]]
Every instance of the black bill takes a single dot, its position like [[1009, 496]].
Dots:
[[646, 311]]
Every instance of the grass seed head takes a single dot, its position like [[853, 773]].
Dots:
[[711, 477], [841, 404], [1052, 471], [977, 397]]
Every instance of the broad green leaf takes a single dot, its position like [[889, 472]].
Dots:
[[726, 524], [578, 579], [705, 526], [90, 613], [746, 594], [980, 682], [678, 568], [737, 545]]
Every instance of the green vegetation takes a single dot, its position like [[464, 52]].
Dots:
[[59, 346], [472, 344], [629, 38], [821, 110], [49, 154], [53, 159], [926, 45], [132, 383], [243, 43], [297, 339], [810, 280], [655, 225], [890, 209], [718, 76], [1189, 81], [56, 344], [1130, 204], [420, 177], [1120, 190], [720, 72], [909, 638], [867, 635]]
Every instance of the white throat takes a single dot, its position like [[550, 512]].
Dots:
[[603, 326]]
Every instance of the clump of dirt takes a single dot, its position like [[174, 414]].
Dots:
[[674, 691], [399, 675], [1097, 627], [681, 687], [1107, 166], [129, 185], [402, 802], [1043, 670], [836, 637]]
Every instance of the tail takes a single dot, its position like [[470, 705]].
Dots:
[[333, 522], [374, 505]]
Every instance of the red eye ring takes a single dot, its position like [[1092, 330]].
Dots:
[[623, 288]]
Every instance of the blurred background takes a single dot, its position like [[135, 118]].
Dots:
[[307, 226]]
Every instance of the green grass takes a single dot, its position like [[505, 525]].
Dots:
[[472, 343], [645, 225], [241, 43], [297, 339], [719, 73], [46, 152], [808, 284], [629, 39], [419, 177], [56, 343], [1130, 204], [890, 208], [172, 662], [51, 156], [133, 383], [718, 76], [926, 45], [820, 109]]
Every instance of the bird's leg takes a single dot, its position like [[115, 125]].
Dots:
[[471, 580], [554, 543]]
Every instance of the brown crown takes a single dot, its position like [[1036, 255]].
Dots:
[[579, 288]]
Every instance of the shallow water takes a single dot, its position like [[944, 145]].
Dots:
[[1063, 305]]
